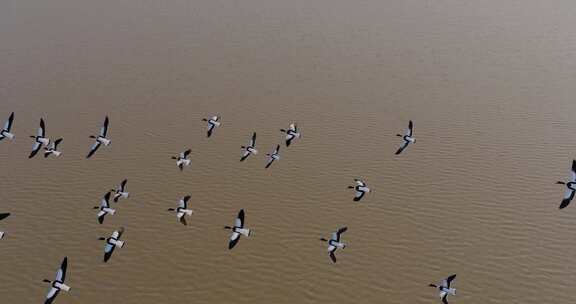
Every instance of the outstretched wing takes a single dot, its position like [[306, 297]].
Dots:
[[104, 129], [56, 143], [93, 149], [410, 129], [4, 215], [573, 172], [234, 238], [270, 161], [253, 140], [239, 222], [52, 293], [245, 155], [61, 273], [332, 256], [123, 185], [402, 147], [210, 129], [184, 202], [8, 123], [42, 129], [35, 148], [359, 195], [186, 153], [339, 232], [568, 196], [449, 280], [105, 201]]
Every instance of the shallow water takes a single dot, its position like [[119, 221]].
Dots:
[[489, 85]]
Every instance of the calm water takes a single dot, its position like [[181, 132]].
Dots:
[[489, 85]]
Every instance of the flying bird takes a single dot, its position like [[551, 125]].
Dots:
[[272, 157], [3, 216], [407, 138], [39, 139], [5, 132], [237, 230], [250, 149], [120, 191], [182, 159], [445, 289], [112, 242], [334, 243], [570, 187], [182, 210], [100, 139], [291, 133], [58, 283], [360, 188], [104, 208], [53, 148], [213, 123]]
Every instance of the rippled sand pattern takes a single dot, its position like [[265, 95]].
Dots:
[[489, 85]]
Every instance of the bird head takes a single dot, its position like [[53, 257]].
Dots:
[[101, 238], [561, 182]]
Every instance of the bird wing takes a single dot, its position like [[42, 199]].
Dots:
[[292, 127], [42, 129], [239, 222], [56, 143], [4, 215], [444, 297], [105, 200], [402, 147], [123, 185], [61, 273], [449, 280], [410, 129], [108, 248], [186, 153], [184, 202], [93, 149], [277, 149], [52, 293], [35, 149], [101, 216], [358, 195], [245, 155], [253, 140], [210, 129], [568, 196], [8, 123], [270, 161], [332, 256], [104, 129], [339, 232], [573, 172], [234, 238], [289, 138]]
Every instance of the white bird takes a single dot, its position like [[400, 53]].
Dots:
[[182, 159], [100, 139], [291, 133], [445, 289], [250, 149], [53, 148], [58, 284], [274, 156], [182, 209], [104, 208], [39, 139], [360, 188], [5, 132], [213, 123], [407, 137], [334, 243], [3, 216], [112, 242], [570, 187], [237, 230], [121, 191]]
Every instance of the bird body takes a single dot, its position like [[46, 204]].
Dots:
[[58, 284], [237, 230], [250, 149], [100, 138], [291, 133], [334, 243]]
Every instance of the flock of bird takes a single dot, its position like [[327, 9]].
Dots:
[[182, 210]]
